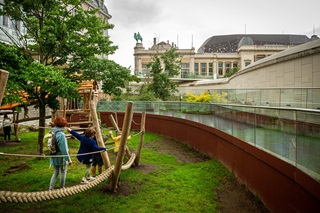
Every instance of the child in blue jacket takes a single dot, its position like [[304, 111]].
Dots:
[[87, 145]]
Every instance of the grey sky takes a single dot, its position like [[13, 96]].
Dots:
[[187, 22]]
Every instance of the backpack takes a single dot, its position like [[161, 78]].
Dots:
[[50, 146]]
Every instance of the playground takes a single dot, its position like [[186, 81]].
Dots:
[[168, 171]]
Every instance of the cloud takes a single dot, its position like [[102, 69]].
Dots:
[[134, 13]]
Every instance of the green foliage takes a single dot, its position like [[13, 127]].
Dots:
[[203, 97], [15, 62], [51, 82], [231, 72], [62, 34], [219, 97], [162, 86], [206, 97]]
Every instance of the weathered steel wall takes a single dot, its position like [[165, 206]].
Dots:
[[281, 186]]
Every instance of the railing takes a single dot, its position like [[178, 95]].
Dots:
[[307, 98], [290, 134]]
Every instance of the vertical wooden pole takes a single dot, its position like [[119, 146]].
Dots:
[[114, 123], [99, 137], [124, 135], [3, 82], [16, 125], [143, 121]]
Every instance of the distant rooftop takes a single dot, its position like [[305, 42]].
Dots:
[[229, 43]]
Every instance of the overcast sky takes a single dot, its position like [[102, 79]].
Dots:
[[187, 22]]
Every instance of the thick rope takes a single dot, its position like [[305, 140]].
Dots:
[[129, 163], [52, 156], [29, 197]]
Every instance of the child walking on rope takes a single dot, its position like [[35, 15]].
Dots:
[[87, 145], [96, 161], [117, 141], [60, 163], [6, 127]]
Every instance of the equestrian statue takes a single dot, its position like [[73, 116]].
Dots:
[[137, 37]]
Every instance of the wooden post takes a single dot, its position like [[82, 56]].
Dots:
[[116, 117], [3, 81], [114, 123], [16, 125], [124, 135], [143, 121], [99, 137]]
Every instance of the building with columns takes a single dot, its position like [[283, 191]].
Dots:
[[219, 54]]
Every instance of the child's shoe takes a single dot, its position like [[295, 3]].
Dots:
[[91, 178], [84, 181]]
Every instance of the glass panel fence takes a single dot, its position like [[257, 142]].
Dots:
[[290, 134]]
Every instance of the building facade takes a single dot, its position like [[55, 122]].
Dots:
[[219, 54], [11, 30]]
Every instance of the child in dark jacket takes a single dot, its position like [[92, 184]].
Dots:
[[87, 144]]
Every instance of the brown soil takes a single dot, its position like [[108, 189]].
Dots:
[[232, 196]]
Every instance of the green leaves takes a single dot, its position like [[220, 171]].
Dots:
[[162, 86]]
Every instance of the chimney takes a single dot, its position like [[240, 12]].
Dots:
[[154, 41]]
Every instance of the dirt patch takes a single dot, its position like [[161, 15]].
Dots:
[[182, 152], [16, 168], [232, 196]]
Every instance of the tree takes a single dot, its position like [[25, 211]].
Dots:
[[231, 72], [67, 40], [14, 61], [162, 86]]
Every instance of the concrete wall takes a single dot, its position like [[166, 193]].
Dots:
[[280, 186]]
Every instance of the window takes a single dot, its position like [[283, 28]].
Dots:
[[1, 17], [235, 64], [247, 62], [74, 12], [210, 69], [4, 19], [185, 69], [204, 69], [196, 68], [220, 68], [228, 66], [258, 57], [145, 70]]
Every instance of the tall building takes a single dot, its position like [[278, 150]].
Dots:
[[219, 54]]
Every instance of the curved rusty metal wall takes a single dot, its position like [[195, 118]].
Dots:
[[281, 186]]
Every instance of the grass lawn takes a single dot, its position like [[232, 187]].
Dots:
[[161, 183]]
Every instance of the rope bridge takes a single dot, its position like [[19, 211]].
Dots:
[[29, 197]]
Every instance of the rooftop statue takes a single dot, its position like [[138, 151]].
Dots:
[[137, 37]]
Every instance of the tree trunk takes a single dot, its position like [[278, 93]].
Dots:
[[42, 124]]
